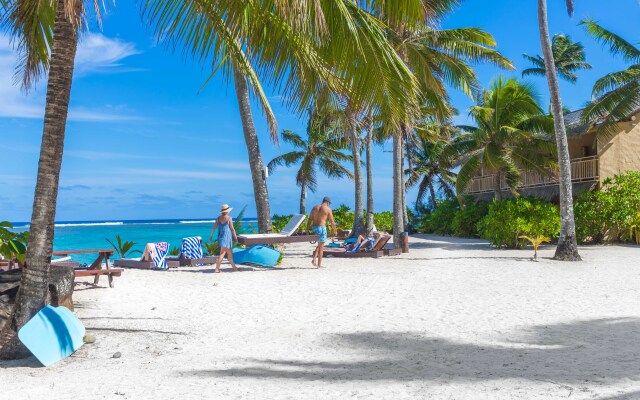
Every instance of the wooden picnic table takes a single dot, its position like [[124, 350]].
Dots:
[[95, 269]]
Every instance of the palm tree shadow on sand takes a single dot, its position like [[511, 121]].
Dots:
[[583, 352]]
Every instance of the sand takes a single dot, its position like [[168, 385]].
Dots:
[[453, 319]]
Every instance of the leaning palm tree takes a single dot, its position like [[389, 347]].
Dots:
[[617, 95], [431, 168], [37, 32], [567, 248], [512, 134], [569, 57], [321, 149]]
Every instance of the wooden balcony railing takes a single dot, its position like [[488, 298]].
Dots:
[[582, 169]]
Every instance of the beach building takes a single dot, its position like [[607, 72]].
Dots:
[[594, 158]]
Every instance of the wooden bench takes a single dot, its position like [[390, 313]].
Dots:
[[95, 269]]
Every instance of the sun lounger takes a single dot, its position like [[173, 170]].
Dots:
[[191, 253], [153, 257], [377, 250], [286, 235]]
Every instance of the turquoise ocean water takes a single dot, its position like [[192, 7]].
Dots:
[[93, 234]]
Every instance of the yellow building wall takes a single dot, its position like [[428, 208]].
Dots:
[[622, 152]]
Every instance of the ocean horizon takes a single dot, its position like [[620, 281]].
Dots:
[[72, 235]]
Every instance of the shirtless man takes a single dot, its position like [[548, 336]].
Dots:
[[318, 217]]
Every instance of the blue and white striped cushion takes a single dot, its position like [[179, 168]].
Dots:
[[191, 248], [160, 256]]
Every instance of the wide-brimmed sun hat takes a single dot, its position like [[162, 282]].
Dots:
[[225, 208]]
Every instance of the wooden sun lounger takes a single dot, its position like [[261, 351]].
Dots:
[[276, 239], [377, 251], [137, 264]]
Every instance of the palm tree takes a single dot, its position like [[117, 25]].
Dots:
[[299, 48], [512, 133], [567, 248], [439, 58], [322, 149], [569, 57], [431, 168], [31, 24], [618, 93]]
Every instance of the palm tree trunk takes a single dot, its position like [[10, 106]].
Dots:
[[432, 191], [303, 198], [405, 215], [32, 295], [497, 185], [567, 249], [260, 192], [398, 188], [358, 218], [369, 223]]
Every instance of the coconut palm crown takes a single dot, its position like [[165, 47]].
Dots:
[[569, 57], [321, 149], [512, 133]]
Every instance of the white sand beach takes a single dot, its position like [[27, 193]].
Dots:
[[453, 319]]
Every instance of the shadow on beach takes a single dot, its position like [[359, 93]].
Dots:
[[593, 351]]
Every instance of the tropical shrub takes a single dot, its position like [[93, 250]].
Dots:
[[123, 248], [536, 242], [343, 217], [591, 217], [174, 251], [441, 219], [466, 220], [383, 221], [510, 219], [623, 192], [279, 221], [212, 249], [13, 246]]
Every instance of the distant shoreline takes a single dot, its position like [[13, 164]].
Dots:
[[62, 224]]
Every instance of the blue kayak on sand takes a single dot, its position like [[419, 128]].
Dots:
[[257, 255], [53, 334]]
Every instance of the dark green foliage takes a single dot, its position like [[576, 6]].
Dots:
[[212, 249], [174, 251], [441, 219], [590, 216], [465, 221], [383, 221], [12, 245], [123, 248], [610, 213], [507, 220], [343, 217], [279, 222]]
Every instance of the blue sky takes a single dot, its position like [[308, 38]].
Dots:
[[143, 141]]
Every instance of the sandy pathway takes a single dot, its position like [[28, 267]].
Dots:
[[453, 319]]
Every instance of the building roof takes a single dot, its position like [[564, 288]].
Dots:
[[575, 126]]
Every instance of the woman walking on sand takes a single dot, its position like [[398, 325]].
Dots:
[[226, 236]]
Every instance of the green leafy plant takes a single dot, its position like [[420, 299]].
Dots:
[[465, 221], [536, 241], [174, 251], [510, 219], [440, 221], [383, 221], [590, 213], [634, 228], [13, 245], [279, 221], [212, 249], [344, 217], [123, 248]]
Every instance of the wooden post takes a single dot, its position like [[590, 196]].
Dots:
[[405, 242]]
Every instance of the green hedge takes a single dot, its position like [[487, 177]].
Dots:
[[509, 219], [465, 222]]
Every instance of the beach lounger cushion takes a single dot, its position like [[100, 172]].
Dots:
[[191, 248]]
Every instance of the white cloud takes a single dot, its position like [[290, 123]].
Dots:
[[96, 53]]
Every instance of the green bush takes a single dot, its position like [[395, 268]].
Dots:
[[383, 221], [441, 219], [507, 220], [343, 217], [622, 193], [466, 220], [279, 221], [590, 216]]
